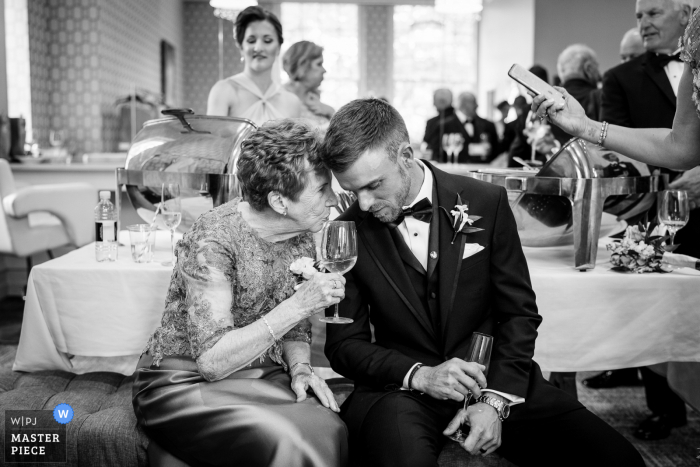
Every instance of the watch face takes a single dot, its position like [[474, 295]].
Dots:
[[506, 410]]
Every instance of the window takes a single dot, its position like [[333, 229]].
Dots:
[[431, 50], [335, 28]]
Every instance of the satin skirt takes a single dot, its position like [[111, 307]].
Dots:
[[250, 418]]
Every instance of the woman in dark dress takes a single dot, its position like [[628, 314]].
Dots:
[[223, 380]]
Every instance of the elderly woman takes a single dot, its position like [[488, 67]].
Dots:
[[303, 62], [224, 378]]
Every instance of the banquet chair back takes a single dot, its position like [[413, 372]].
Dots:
[[43, 217]]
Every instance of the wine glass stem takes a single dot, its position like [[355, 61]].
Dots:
[[172, 246], [673, 236], [335, 314]]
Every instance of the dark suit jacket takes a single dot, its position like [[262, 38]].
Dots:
[[638, 94], [450, 123], [489, 292]]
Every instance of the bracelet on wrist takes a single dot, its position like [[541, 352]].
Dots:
[[291, 368], [603, 134], [269, 328], [410, 377]]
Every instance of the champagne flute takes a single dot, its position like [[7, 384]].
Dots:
[[171, 215], [479, 352], [338, 255], [673, 211]]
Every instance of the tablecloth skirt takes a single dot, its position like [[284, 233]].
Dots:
[[249, 418]]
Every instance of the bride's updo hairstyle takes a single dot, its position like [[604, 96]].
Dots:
[[278, 157], [251, 15]]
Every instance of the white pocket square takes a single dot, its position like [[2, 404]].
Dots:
[[471, 249]]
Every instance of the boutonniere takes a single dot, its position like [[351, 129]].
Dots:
[[460, 218]]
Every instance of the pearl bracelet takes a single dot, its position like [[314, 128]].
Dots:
[[603, 134], [269, 328]]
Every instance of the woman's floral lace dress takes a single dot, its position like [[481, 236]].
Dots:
[[226, 277], [691, 54]]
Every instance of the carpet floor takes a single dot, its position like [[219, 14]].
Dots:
[[621, 407]]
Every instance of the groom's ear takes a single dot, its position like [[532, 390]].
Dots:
[[406, 155]]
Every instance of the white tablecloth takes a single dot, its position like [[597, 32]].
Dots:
[[103, 313], [81, 315], [601, 319]]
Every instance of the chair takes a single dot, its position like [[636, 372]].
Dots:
[[68, 208]]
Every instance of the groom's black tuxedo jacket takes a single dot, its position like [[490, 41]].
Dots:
[[488, 292]]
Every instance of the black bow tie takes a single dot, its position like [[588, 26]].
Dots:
[[661, 60], [422, 211]]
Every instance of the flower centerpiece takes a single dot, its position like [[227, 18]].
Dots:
[[641, 250]]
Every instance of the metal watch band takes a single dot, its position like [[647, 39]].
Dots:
[[301, 363], [413, 373], [502, 409]]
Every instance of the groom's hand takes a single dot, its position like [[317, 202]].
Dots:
[[484, 428], [452, 379]]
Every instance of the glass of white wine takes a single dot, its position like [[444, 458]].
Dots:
[[171, 215], [673, 211], [338, 255]]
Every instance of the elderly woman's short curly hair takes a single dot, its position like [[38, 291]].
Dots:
[[298, 58], [278, 157]]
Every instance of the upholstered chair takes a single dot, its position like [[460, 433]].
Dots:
[[66, 216]]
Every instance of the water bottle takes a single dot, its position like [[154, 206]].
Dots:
[[105, 229]]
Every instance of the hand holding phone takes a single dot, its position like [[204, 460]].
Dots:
[[534, 84]]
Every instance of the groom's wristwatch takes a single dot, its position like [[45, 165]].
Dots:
[[502, 409]]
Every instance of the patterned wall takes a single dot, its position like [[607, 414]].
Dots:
[[87, 53], [201, 53], [376, 51]]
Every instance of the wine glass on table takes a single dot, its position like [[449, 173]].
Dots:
[[673, 211], [338, 255], [171, 215], [479, 352]]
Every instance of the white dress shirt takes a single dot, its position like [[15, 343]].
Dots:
[[674, 70], [416, 234]]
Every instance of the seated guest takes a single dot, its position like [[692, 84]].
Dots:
[[480, 137], [429, 288], [253, 94], [303, 62], [225, 375], [444, 134], [631, 45]]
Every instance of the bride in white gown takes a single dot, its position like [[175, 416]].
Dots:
[[253, 94]]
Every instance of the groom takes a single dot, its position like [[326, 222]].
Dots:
[[427, 283]]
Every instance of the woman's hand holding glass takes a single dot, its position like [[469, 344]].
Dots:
[[303, 379], [319, 292]]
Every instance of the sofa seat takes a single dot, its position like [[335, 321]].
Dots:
[[103, 432]]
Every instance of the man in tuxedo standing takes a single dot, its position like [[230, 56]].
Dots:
[[480, 135], [444, 135], [439, 258], [641, 93]]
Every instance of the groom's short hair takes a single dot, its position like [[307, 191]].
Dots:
[[361, 125]]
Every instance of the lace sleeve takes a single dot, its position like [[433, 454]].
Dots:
[[300, 332], [690, 42], [206, 275]]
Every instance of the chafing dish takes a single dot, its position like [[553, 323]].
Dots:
[[197, 152], [563, 202]]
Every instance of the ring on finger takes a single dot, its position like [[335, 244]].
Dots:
[[335, 284]]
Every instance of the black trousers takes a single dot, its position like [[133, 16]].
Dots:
[[405, 429]]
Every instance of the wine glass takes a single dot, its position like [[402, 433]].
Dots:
[[479, 352], [338, 255], [673, 211], [56, 138], [171, 214]]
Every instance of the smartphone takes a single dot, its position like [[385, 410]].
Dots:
[[534, 84]]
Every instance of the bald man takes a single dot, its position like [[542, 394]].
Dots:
[[443, 133], [631, 45], [480, 135]]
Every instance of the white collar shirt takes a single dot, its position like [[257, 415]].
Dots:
[[674, 70], [416, 233]]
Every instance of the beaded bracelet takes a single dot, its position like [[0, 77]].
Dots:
[[301, 363], [269, 328], [603, 134], [413, 373]]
